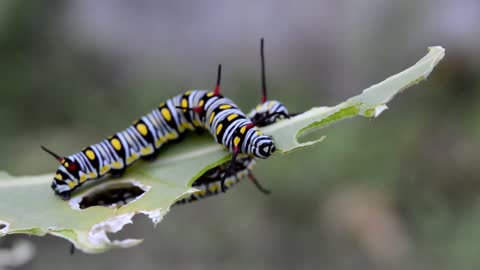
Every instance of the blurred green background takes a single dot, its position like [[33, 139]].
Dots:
[[397, 192]]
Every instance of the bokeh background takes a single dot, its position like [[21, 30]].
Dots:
[[397, 192]]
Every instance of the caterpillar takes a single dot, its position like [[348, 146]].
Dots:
[[209, 183], [194, 109], [264, 114]]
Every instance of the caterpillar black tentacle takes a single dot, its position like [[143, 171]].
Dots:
[[199, 109], [257, 184]]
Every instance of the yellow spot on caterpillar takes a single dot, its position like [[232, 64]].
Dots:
[[142, 129], [259, 133], [166, 114], [92, 175], [196, 123], [116, 144], [229, 183], [90, 154], [160, 141], [66, 164], [210, 94], [219, 128], [146, 151], [200, 104], [187, 125], [243, 129], [83, 178], [225, 106], [117, 165], [184, 103], [132, 158], [232, 116], [172, 136], [211, 118], [202, 192], [104, 169], [59, 177], [213, 187], [259, 107], [188, 92], [180, 128], [71, 184], [236, 141]]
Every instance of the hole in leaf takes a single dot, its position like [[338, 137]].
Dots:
[[114, 195], [135, 229]]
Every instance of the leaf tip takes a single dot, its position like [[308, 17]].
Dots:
[[438, 49], [437, 53], [156, 215]]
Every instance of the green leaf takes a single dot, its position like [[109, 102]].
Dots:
[[29, 205]]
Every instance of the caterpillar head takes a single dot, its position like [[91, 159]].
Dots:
[[268, 113], [66, 177], [263, 146]]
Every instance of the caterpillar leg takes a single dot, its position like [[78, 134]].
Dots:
[[117, 173], [151, 157], [72, 249], [65, 195], [199, 131]]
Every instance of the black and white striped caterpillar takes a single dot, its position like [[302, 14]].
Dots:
[[264, 114], [195, 109], [210, 183]]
